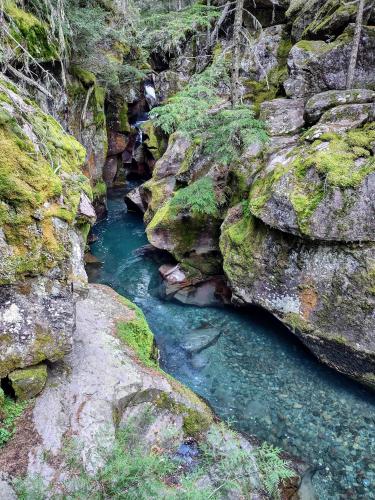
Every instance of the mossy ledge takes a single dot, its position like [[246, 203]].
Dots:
[[137, 335]]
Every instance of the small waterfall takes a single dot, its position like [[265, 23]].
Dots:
[[150, 95]]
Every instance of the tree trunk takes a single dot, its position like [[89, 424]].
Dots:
[[208, 26], [355, 46], [238, 17]]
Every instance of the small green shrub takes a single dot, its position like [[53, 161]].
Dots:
[[9, 412], [224, 133], [272, 467], [199, 197], [134, 472]]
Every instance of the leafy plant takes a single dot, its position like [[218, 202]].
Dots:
[[273, 468], [199, 197], [132, 470], [199, 111], [9, 413], [231, 464], [187, 110]]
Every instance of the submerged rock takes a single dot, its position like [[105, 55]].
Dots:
[[193, 289], [200, 339]]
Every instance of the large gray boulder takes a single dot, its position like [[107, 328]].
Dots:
[[316, 66], [320, 18], [264, 54], [319, 103], [98, 387], [283, 116], [323, 191], [322, 292]]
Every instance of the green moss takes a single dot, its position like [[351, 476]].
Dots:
[[30, 32], [2, 399], [84, 76], [124, 118], [188, 158], [337, 163], [137, 334], [261, 189], [99, 190], [37, 182], [370, 278], [159, 191], [152, 140], [334, 158], [61, 213], [269, 89], [305, 205], [195, 422], [10, 411], [238, 244], [296, 322], [315, 46], [329, 16], [28, 382]]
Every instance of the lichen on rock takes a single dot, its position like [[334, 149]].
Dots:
[[320, 290], [28, 382], [44, 206], [322, 190]]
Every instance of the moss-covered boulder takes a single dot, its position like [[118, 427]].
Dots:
[[316, 66], [44, 215], [319, 18], [190, 237], [322, 190], [29, 382], [153, 140], [323, 292], [159, 189]]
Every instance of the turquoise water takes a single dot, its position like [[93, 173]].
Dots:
[[256, 375]]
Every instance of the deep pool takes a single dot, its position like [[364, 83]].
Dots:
[[257, 375]]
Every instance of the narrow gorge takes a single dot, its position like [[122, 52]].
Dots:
[[187, 254]]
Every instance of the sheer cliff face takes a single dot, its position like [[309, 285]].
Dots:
[[301, 241], [45, 213]]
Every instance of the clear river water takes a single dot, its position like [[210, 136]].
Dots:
[[257, 375]]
